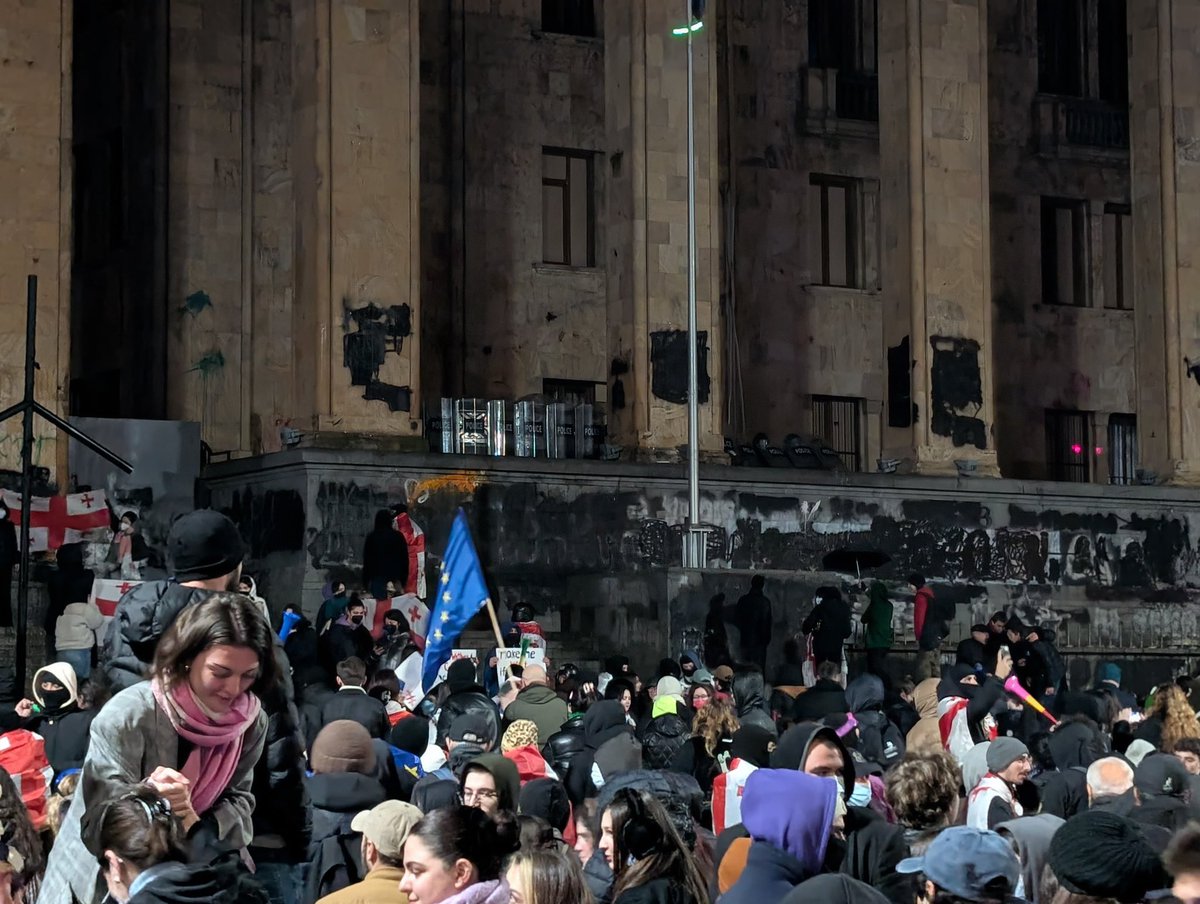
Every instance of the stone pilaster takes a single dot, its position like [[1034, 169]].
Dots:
[[646, 96], [936, 255]]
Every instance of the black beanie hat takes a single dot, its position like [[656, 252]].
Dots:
[[1106, 856], [753, 744], [411, 735], [203, 545], [461, 675], [546, 798]]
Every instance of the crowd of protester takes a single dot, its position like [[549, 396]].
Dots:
[[211, 755]]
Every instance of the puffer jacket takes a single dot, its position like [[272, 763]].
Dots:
[[281, 813], [472, 700], [662, 740], [925, 736]]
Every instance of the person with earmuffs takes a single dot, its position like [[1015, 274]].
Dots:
[[650, 862]]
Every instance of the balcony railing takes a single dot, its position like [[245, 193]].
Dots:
[[1082, 123], [857, 96]]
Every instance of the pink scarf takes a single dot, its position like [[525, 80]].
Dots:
[[218, 739]]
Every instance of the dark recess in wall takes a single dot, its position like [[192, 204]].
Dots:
[[669, 366]]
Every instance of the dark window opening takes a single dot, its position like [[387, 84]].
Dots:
[[1122, 448], [569, 17], [835, 203], [573, 392], [1064, 253], [838, 421], [1069, 445], [1061, 47], [842, 36], [1118, 257], [1112, 53], [568, 208]]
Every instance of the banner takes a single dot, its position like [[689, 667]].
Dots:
[[107, 593], [512, 656]]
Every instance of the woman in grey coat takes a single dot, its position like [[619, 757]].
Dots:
[[193, 734]]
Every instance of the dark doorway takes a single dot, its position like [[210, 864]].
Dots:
[[118, 265]]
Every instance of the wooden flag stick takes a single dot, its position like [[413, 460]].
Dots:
[[496, 630]]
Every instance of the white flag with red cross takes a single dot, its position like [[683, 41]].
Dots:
[[106, 593], [55, 520]]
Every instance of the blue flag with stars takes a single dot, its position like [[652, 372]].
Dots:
[[461, 593]]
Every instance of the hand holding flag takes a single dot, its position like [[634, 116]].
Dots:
[[461, 593]]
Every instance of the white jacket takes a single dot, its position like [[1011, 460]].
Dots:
[[76, 628]]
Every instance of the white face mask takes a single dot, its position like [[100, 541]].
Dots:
[[860, 796]]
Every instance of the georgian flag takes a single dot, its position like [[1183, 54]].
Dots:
[[55, 520]]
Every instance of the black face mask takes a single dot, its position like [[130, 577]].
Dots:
[[357, 619], [52, 700], [389, 627]]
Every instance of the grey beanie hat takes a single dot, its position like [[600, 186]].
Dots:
[[1004, 752]]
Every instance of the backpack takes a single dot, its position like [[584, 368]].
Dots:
[[23, 756], [334, 864]]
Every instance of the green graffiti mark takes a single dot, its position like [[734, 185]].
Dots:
[[210, 363], [196, 302]]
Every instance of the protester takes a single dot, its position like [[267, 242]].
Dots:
[[650, 862], [1163, 793], [609, 748], [385, 557], [1031, 836], [384, 829], [879, 740], [1188, 752], [749, 750], [538, 703], [967, 863], [965, 706], [69, 584], [61, 718], [490, 782], [829, 625], [994, 799], [20, 847], [144, 858], [929, 627], [335, 600], [466, 695], [456, 855], [699, 756], [353, 702], [826, 697], [924, 795], [546, 877], [1170, 719], [384, 686], [75, 635], [1110, 786], [698, 695], [520, 744], [877, 628], [1105, 856], [668, 730], [1108, 681], [925, 736], [347, 637], [748, 699], [1182, 861], [202, 702]]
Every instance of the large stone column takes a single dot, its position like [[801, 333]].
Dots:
[[646, 91], [936, 256], [357, 257], [35, 215], [1164, 156]]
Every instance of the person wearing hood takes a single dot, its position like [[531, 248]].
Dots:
[[520, 744], [347, 637], [609, 748], [877, 628], [994, 799], [334, 601], [538, 703], [57, 716], [301, 643], [826, 697], [1106, 857], [385, 556], [716, 637], [689, 664], [750, 750], [1108, 681], [668, 730], [491, 783], [1031, 835], [748, 688], [144, 859], [965, 864], [834, 888], [879, 740], [247, 586], [1047, 671], [1163, 793], [465, 695], [829, 625], [547, 799], [790, 817], [1074, 746], [868, 848], [753, 619], [925, 736], [965, 706]]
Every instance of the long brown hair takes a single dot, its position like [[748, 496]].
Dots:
[[551, 877], [223, 619], [714, 721], [670, 859], [1178, 718]]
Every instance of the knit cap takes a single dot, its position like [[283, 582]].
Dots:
[[1104, 855], [342, 746]]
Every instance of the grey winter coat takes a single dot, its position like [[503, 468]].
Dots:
[[130, 738]]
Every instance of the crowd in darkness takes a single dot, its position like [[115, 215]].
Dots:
[[221, 751]]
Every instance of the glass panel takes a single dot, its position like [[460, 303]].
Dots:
[[1064, 250], [839, 254], [579, 212], [553, 251], [1112, 261], [554, 166]]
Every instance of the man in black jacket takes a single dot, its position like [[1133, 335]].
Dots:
[[829, 624], [353, 703], [347, 637], [826, 697], [204, 550], [385, 557]]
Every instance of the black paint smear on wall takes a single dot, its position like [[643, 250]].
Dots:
[[379, 331], [957, 387], [1053, 519], [269, 522], [669, 366], [901, 411]]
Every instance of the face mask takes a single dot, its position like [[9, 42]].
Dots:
[[357, 619], [699, 703], [389, 628], [52, 700], [860, 796]]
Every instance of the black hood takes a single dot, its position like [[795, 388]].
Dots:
[[792, 750], [344, 792], [748, 688], [602, 722], [1075, 745], [146, 611], [835, 888], [864, 692], [951, 684]]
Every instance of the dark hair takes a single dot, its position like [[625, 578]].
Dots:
[[756, 582], [551, 876], [130, 516], [138, 827], [829, 670], [792, 652], [923, 790], [18, 830], [334, 585], [385, 680], [668, 857], [245, 578], [906, 685], [1186, 745], [536, 833], [397, 616], [467, 833], [1183, 853], [354, 602], [222, 619], [917, 579], [353, 671]]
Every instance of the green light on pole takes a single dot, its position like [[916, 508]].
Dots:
[[682, 30]]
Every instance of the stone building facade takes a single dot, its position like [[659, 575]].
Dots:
[[953, 231]]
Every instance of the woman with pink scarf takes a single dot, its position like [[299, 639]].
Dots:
[[192, 733]]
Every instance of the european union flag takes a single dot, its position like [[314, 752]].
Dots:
[[461, 593]]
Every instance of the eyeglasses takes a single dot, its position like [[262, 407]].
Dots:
[[480, 794]]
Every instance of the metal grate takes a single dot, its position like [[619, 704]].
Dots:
[[1068, 445], [858, 96], [1122, 448], [838, 421]]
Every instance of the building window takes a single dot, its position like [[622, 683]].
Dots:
[[841, 36], [1061, 26], [835, 206], [1118, 257], [569, 17], [838, 421], [1069, 445], [1122, 448], [1112, 52], [1064, 252], [573, 392], [568, 208]]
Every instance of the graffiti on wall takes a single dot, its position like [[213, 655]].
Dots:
[[956, 391], [378, 331]]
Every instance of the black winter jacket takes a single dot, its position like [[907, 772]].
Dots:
[[142, 617], [662, 740], [769, 875], [472, 700], [657, 891], [357, 705], [67, 737], [223, 882], [343, 641], [824, 698]]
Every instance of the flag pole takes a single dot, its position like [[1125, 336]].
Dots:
[[496, 630]]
